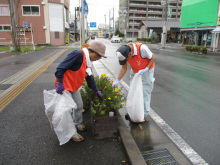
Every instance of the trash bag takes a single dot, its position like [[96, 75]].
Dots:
[[135, 101], [59, 110]]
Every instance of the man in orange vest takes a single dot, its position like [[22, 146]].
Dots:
[[141, 60], [71, 73]]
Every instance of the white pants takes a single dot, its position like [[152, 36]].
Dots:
[[148, 84]]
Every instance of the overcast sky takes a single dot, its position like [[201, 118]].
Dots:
[[97, 10]]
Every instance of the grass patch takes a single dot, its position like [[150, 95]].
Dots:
[[4, 49]]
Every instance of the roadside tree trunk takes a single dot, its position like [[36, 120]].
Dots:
[[14, 35]]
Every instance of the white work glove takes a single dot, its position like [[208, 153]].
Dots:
[[116, 82], [142, 71]]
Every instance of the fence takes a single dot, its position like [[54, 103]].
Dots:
[[8, 41]]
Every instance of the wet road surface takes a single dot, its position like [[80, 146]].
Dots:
[[186, 95]]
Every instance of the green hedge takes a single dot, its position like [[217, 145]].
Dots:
[[198, 49], [144, 39]]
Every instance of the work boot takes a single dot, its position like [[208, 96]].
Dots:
[[145, 118], [127, 117]]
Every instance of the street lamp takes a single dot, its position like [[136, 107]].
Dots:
[[124, 14]]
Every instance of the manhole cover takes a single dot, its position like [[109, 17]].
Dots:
[[160, 157]]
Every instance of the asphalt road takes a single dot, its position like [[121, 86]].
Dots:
[[186, 95], [25, 134]]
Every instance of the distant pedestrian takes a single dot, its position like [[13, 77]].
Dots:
[[141, 60], [71, 73]]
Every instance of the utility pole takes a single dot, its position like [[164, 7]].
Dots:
[[133, 28], [82, 22], [75, 24], [105, 22], [113, 21], [164, 27], [109, 21]]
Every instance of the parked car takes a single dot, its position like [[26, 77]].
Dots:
[[92, 37], [115, 39]]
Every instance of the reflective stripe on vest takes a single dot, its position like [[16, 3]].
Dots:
[[73, 80], [137, 62]]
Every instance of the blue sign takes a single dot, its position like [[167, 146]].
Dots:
[[93, 24], [26, 25], [86, 9]]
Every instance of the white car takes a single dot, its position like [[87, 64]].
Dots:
[[115, 39]]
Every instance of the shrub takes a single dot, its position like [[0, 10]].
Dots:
[[203, 49], [196, 49], [148, 39], [113, 97]]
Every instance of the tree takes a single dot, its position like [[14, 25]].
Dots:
[[117, 32], [154, 37], [15, 36]]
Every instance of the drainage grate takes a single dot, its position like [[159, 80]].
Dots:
[[160, 157]]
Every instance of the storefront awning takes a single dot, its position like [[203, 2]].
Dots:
[[159, 24], [216, 30]]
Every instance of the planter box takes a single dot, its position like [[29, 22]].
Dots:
[[105, 127]]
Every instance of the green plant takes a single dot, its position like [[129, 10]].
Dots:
[[196, 49], [154, 37], [148, 39], [117, 32], [203, 49], [113, 97]]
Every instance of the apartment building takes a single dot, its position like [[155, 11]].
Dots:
[[151, 14], [49, 20]]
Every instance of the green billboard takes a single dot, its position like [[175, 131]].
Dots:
[[198, 13]]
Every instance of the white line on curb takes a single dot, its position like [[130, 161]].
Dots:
[[177, 140]]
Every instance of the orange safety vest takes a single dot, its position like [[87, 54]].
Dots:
[[137, 62], [73, 80]]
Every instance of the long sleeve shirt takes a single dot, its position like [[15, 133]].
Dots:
[[73, 62]]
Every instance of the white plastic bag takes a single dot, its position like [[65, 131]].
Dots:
[[135, 102], [58, 109]]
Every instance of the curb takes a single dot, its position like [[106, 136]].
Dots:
[[134, 155]]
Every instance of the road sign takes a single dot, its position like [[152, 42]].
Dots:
[[86, 9], [26, 25], [169, 12], [93, 24]]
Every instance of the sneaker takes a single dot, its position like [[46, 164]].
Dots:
[[81, 127], [77, 138]]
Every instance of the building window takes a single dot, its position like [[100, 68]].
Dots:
[[5, 28], [4, 10], [31, 10], [57, 35]]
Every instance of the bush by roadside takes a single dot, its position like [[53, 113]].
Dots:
[[23, 48], [197, 49]]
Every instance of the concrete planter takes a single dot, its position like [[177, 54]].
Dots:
[[105, 126]]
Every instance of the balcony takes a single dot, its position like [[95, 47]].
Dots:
[[155, 12], [137, 4], [135, 24], [137, 0], [137, 11]]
